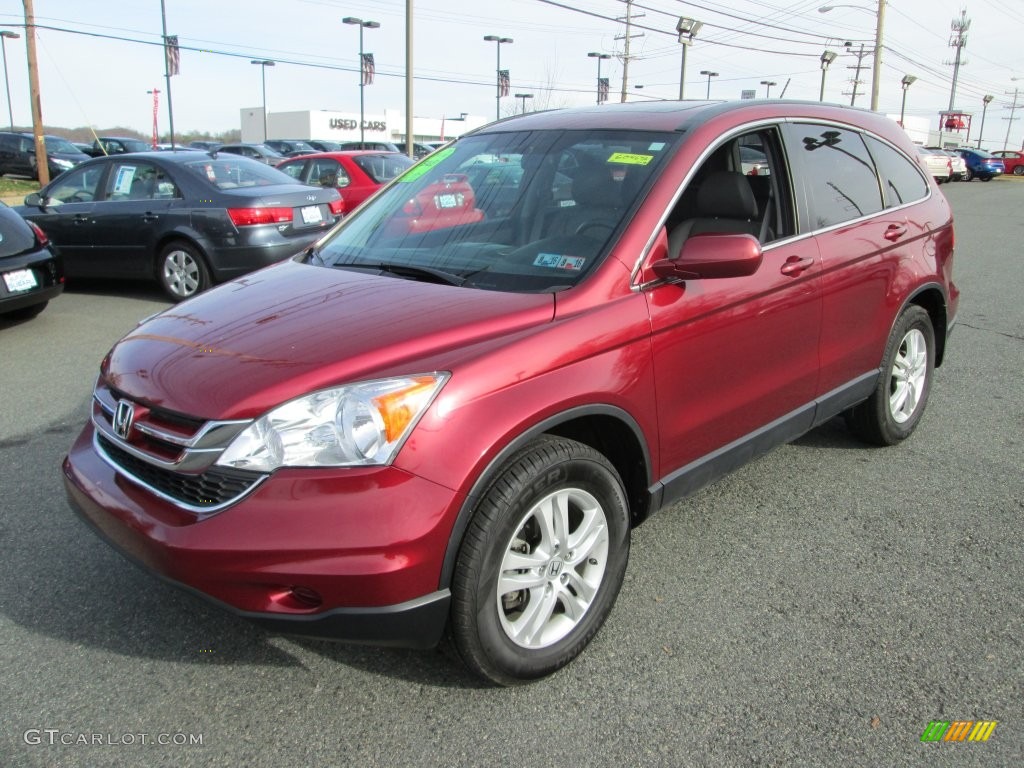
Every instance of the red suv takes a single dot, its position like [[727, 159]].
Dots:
[[448, 415]]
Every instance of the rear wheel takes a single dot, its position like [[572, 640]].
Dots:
[[1018, 170], [541, 562], [891, 414], [181, 271]]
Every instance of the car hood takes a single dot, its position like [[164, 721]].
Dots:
[[251, 344]]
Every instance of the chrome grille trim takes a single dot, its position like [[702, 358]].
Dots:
[[206, 509], [212, 434]]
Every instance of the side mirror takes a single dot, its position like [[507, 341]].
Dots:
[[712, 256], [34, 200]]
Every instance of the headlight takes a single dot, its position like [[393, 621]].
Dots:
[[356, 425], [62, 163]]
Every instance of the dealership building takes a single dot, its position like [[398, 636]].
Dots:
[[344, 126]]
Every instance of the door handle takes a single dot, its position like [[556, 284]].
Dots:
[[148, 217], [80, 219], [796, 264], [894, 232]]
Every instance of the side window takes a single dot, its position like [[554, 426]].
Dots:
[[137, 181], [902, 181], [76, 186], [328, 173], [293, 169], [839, 176], [743, 187]]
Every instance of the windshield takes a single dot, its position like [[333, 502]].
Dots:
[[383, 168], [238, 172], [57, 144], [133, 145], [524, 212]]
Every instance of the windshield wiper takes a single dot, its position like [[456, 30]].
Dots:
[[409, 270], [313, 256]]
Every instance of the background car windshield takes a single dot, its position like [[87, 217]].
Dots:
[[131, 145], [57, 144], [528, 212], [238, 172], [383, 168]]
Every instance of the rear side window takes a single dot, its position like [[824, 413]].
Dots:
[[902, 181], [839, 177]]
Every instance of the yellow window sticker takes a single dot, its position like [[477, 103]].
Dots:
[[629, 158]]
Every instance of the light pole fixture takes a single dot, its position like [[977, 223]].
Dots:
[[600, 57], [876, 64], [985, 101], [156, 106], [264, 63], [827, 57], [523, 97], [362, 73], [768, 87], [497, 40], [6, 35], [687, 29], [906, 82], [710, 74]]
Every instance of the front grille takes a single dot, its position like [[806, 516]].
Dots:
[[207, 491]]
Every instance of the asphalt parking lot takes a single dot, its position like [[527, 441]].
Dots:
[[818, 608]]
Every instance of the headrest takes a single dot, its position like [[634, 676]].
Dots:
[[594, 187], [726, 195]]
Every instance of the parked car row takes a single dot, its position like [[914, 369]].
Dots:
[[967, 163]]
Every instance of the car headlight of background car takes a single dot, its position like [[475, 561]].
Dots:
[[60, 162], [360, 424]]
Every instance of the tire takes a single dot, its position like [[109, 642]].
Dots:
[[893, 411], [26, 313], [181, 271], [1018, 170], [559, 575], [985, 178], [968, 175]]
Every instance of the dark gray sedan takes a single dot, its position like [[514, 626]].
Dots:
[[188, 219]]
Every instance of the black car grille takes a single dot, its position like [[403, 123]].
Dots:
[[212, 488]]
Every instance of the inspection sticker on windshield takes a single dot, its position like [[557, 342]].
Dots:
[[558, 261], [628, 158], [425, 165]]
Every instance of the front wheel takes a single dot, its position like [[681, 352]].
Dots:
[[541, 562], [985, 178], [181, 271], [968, 174], [894, 409]]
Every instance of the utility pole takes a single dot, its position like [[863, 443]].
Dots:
[[42, 166], [958, 39], [1011, 118], [856, 77], [625, 49]]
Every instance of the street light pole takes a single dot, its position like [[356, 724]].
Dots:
[[523, 97], [827, 57], [710, 74], [264, 63], [876, 64], [156, 106], [985, 101], [768, 87], [906, 82], [687, 29], [498, 40], [4, 36], [362, 76], [599, 57]]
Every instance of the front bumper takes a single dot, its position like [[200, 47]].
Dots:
[[351, 555]]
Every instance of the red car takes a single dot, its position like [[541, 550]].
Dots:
[[355, 174], [416, 428], [1013, 161]]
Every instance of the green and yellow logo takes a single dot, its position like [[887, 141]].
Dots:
[[959, 730]]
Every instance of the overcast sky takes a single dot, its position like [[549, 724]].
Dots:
[[89, 78]]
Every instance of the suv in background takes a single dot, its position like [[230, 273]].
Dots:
[[449, 413], [117, 145], [259, 152], [18, 155]]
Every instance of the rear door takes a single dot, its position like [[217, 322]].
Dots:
[[863, 230]]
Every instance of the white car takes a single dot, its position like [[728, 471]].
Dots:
[[937, 164], [959, 169]]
